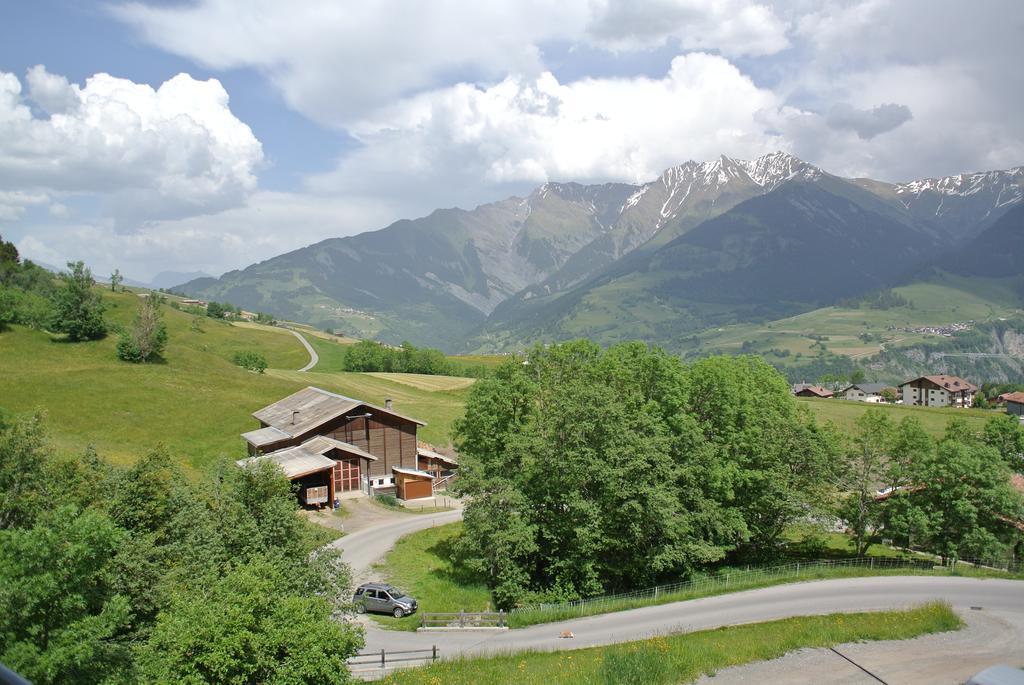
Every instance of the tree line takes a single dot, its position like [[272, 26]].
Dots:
[[367, 356], [138, 574], [592, 471]]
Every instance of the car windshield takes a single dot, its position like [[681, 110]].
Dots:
[[395, 593]]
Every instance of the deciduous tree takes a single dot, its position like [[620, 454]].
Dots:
[[77, 308]]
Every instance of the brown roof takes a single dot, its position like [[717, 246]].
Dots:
[[951, 383], [816, 390], [1016, 397], [309, 408], [431, 454]]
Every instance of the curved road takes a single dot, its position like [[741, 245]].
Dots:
[[1000, 601], [314, 358]]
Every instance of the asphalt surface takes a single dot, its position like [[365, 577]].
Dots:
[[314, 358], [994, 610], [362, 549]]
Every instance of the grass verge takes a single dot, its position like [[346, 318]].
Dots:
[[684, 658], [422, 565]]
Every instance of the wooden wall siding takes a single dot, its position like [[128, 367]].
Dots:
[[391, 440]]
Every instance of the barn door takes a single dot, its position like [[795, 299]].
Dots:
[[346, 477]]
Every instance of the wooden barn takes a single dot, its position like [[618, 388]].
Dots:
[[370, 447]]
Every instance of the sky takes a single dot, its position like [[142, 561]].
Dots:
[[211, 134]]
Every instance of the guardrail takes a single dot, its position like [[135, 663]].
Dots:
[[749, 576], [383, 658], [464, 619]]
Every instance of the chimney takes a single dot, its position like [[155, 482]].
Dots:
[[294, 414], [387, 404]]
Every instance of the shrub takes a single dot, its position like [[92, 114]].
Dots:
[[148, 337], [252, 361], [389, 501]]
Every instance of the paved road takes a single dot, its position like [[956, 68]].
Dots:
[[314, 358], [782, 601], [1001, 618], [362, 549]]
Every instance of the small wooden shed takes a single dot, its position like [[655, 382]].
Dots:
[[413, 484]]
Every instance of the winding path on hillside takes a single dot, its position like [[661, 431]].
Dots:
[[314, 358], [995, 633]]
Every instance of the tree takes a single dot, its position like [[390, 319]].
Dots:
[[589, 471], [243, 628], [857, 376], [61, 620], [77, 308], [215, 310], [960, 502], [865, 468], [252, 361], [148, 337], [1006, 435], [10, 262], [889, 394], [115, 280]]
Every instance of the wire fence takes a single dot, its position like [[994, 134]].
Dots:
[[753, 576]]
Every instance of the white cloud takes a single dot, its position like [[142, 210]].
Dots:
[[168, 152], [734, 27], [470, 144], [271, 223], [868, 123], [337, 62]]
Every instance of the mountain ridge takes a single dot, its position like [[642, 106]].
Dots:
[[440, 278]]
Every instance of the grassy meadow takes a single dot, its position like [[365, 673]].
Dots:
[[843, 413], [195, 402], [421, 565], [684, 657]]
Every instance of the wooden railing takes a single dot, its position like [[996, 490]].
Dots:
[[443, 483], [382, 658], [464, 619]]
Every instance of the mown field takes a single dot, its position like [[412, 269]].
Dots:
[[685, 657], [196, 402], [844, 413]]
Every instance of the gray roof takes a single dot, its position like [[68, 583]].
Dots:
[[309, 408], [294, 461], [868, 388], [431, 454], [265, 436], [322, 444]]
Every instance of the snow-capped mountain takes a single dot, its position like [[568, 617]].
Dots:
[[434, 279], [963, 204]]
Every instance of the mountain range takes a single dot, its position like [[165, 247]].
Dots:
[[704, 244]]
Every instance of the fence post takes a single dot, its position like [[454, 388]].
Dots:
[[655, 592], [798, 569], [433, 656], [462, 618], [501, 618], [382, 658], [872, 562]]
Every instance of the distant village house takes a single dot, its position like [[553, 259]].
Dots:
[[864, 392], [335, 447], [938, 391], [1014, 402], [806, 390]]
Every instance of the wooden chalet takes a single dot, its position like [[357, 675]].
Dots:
[[1014, 402], [803, 390], [351, 447]]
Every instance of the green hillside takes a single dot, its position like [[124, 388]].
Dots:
[[862, 331], [196, 403]]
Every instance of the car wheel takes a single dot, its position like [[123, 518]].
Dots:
[[360, 608], [399, 613]]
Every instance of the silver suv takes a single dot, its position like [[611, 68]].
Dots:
[[381, 598]]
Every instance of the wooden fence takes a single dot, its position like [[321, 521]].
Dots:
[[382, 658], [464, 619]]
